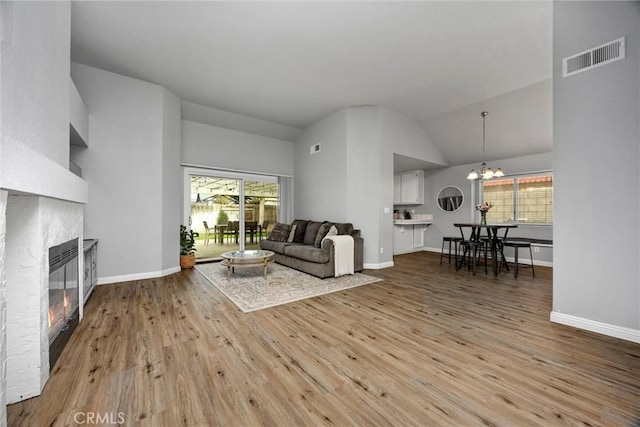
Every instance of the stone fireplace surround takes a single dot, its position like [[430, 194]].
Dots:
[[33, 224]]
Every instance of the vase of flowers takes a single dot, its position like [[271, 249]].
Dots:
[[483, 208]]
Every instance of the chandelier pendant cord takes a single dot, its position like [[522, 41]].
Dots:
[[484, 172], [484, 124]]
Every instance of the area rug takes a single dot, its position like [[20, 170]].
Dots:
[[250, 291]]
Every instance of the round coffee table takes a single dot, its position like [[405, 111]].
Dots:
[[257, 258]]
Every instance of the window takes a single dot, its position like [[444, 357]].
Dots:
[[523, 199]]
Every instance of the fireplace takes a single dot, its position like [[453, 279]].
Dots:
[[34, 225], [64, 297]]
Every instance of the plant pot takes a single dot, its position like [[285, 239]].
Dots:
[[187, 261]]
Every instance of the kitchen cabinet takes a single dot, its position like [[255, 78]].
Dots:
[[409, 236], [408, 188], [418, 236]]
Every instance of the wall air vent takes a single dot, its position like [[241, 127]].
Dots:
[[314, 149], [592, 58]]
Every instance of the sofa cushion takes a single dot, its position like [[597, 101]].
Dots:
[[322, 231], [272, 245], [311, 232], [280, 232], [346, 228], [307, 253], [300, 229]]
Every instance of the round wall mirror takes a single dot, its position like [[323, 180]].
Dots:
[[450, 199]]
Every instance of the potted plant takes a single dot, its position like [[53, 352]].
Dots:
[[187, 247]]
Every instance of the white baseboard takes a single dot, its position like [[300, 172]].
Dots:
[[378, 266], [510, 259], [137, 276], [621, 332], [426, 249]]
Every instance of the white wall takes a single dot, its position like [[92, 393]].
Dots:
[[320, 191], [401, 135], [366, 187], [78, 114], [171, 180], [35, 72], [232, 121], [3, 311], [596, 118], [34, 144], [130, 127], [212, 146], [351, 179]]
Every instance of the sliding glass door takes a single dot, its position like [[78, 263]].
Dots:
[[261, 204], [230, 211]]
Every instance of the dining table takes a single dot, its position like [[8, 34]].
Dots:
[[492, 231], [219, 230]]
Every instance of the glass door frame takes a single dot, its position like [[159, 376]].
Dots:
[[188, 172]]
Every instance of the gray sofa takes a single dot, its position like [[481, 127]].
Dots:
[[301, 252]]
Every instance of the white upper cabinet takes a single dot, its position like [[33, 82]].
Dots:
[[408, 188], [397, 189]]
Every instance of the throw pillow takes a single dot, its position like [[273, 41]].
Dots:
[[311, 232], [322, 231], [333, 231], [280, 232], [292, 233], [300, 230]]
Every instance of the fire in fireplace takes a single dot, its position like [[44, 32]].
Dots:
[[64, 296]]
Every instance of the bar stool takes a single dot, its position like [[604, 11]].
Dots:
[[517, 245], [476, 250], [450, 240]]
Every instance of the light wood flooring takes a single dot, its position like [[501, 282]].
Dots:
[[425, 346]]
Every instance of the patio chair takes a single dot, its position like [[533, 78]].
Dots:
[[263, 229], [207, 233], [232, 231]]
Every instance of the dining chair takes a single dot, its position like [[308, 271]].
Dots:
[[473, 249], [501, 259]]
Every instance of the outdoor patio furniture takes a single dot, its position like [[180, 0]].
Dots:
[[232, 231], [207, 233], [250, 229]]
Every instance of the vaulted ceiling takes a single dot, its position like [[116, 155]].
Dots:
[[439, 62]]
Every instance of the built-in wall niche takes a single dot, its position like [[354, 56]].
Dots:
[[450, 198]]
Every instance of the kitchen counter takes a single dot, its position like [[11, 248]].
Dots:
[[408, 235], [411, 222]]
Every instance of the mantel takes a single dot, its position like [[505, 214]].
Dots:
[[25, 171]]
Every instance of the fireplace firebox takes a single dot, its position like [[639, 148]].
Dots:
[[64, 297]]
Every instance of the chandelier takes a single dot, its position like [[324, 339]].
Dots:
[[484, 171]]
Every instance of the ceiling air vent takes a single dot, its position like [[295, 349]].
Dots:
[[314, 149], [592, 58]]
